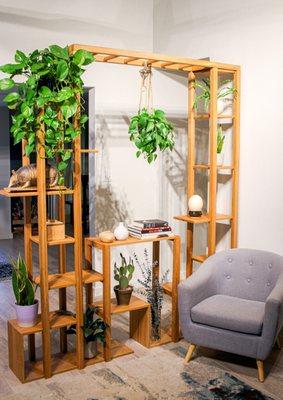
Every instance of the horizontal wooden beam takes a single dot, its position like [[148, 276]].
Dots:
[[153, 58]]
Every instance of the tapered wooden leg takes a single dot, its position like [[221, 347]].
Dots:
[[260, 368], [189, 353], [278, 343]]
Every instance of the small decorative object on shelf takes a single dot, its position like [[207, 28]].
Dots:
[[26, 176], [123, 275], [153, 291], [220, 143], [94, 330], [149, 228], [24, 291], [55, 230], [121, 232], [107, 237], [195, 206]]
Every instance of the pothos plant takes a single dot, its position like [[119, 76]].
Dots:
[[204, 86], [151, 131], [49, 94]]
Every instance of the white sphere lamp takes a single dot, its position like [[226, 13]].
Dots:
[[195, 206]]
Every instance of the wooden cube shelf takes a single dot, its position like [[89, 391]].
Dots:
[[58, 281]]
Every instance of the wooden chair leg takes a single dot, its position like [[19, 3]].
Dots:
[[260, 368], [189, 353]]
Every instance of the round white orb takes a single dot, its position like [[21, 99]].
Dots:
[[195, 203]]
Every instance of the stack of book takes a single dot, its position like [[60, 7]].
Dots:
[[149, 228]]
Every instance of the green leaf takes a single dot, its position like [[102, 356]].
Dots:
[[26, 110], [15, 286], [11, 68], [11, 98], [82, 57], [69, 108], [30, 292], [83, 119], [20, 57], [62, 166], [59, 52], [62, 70], [29, 149], [64, 94], [6, 84]]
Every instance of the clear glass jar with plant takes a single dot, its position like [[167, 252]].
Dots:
[[94, 330], [24, 290], [123, 275]]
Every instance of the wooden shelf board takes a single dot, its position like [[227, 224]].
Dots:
[[30, 193], [56, 321], [135, 304], [219, 116], [200, 258], [207, 166], [58, 281], [167, 288], [203, 219], [131, 240], [66, 240], [165, 338]]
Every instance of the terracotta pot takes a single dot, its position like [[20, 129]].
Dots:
[[27, 315], [91, 349], [123, 296]]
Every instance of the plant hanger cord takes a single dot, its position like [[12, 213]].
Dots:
[[146, 100]]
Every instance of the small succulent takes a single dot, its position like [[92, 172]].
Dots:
[[23, 287], [124, 273]]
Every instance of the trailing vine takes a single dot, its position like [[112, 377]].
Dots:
[[48, 94]]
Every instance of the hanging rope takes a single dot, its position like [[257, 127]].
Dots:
[[146, 89]]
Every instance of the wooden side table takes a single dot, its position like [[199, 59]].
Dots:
[[138, 316]]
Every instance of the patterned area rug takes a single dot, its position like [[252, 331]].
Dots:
[[5, 267]]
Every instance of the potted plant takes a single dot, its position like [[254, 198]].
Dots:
[[123, 275], [94, 330], [220, 143], [50, 94], [24, 290]]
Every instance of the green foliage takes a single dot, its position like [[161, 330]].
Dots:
[[150, 132], [93, 328], [220, 139], [204, 86], [23, 287], [49, 93], [124, 273]]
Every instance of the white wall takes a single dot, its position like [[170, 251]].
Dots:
[[248, 33]]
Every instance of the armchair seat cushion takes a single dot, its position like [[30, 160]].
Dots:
[[231, 313]]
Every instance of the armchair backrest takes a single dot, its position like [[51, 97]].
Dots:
[[248, 274]]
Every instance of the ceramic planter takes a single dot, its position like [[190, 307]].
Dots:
[[27, 315], [91, 349], [121, 232], [123, 296], [220, 158]]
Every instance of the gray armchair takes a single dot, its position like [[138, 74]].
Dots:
[[234, 303]]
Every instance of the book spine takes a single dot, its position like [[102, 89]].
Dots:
[[149, 230], [147, 225]]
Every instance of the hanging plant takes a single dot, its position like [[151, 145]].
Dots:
[[204, 86], [149, 129], [50, 94]]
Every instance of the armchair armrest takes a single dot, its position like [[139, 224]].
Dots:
[[273, 318]]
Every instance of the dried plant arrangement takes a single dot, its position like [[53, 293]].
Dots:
[[153, 291]]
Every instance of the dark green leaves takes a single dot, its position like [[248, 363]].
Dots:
[[151, 132], [51, 80], [6, 83]]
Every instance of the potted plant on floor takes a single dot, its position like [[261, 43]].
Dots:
[[94, 330], [24, 290], [220, 143], [123, 275]]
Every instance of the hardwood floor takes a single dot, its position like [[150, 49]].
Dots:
[[56, 387]]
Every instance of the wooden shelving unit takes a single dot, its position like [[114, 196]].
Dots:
[[212, 217], [49, 364]]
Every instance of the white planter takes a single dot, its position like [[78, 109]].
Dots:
[[27, 315], [121, 232], [91, 349], [220, 158]]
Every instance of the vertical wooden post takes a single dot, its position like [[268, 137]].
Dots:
[[28, 245], [236, 140], [78, 242], [191, 137], [88, 259], [43, 255], [213, 160], [155, 258], [62, 270], [107, 300], [175, 283], [189, 249]]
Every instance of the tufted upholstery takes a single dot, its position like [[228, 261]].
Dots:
[[234, 302]]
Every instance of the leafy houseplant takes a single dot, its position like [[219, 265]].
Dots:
[[204, 86], [94, 330], [153, 291], [151, 131], [123, 275], [49, 94], [24, 291]]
